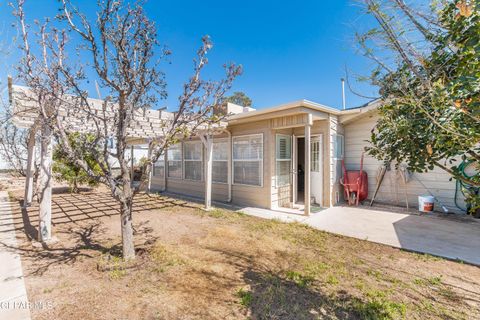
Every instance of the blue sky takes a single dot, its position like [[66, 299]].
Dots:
[[290, 50]]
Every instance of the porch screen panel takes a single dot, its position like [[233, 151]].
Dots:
[[248, 160], [220, 161], [174, 155], [283, 146], [159, 167], [193, 160], [339, 145]]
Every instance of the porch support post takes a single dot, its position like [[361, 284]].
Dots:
[[152, 166], [294, 170], [208, 142], [45, 213], [308, 129], [27, 200]]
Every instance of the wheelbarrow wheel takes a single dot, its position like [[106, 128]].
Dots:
[[353, 198]]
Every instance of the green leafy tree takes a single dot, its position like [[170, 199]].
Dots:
[[66, 170], [239, 98], [428, 71]]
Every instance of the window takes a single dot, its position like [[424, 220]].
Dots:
[[283, 146], [315, 156], [174, 158], [192, 158], [159, 167], [338, 145], [248, 160], [220, 161]]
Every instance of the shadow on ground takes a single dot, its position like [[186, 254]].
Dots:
[[77, 216], [276, 294], [74, 208]]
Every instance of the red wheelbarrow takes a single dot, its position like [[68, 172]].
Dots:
[[355, 184]]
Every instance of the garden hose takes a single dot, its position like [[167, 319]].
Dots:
[[461, 186]]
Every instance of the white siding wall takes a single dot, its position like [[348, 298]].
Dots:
[[357, 133], [335, 165]]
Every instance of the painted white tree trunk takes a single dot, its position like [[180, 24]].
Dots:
[[45, 187], [27, 200], [127, 230]]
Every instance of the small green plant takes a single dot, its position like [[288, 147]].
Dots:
[[375, 274], [433, 281], [65, 169], [332, 280], [216, 213], [117, 273], [245, 297], [163, 258], [48, 290], [300, 279], [114, 265], [379, 307]]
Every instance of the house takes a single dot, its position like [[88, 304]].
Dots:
[[259, 160], [258, 157]]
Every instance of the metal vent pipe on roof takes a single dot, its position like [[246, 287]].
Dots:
[[343, 93]]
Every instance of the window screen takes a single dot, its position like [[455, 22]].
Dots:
[[338, 144], [174, 157], [192, 157], [220, 161], [159, 167], [248, 160], [283, 146]]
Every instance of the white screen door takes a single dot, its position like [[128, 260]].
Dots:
[[316, 173]]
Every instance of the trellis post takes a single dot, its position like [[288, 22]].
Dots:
[[30, 168]]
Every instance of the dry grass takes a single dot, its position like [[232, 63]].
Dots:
[[224, 265]]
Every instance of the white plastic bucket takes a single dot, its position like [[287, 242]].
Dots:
[[425, 203]]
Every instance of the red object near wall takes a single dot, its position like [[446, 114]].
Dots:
[[355, 184], [358, 182]]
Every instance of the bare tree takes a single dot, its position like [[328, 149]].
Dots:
[[122, 49], [13, 140], [13, 146]]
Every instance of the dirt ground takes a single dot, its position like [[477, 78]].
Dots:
[[193, 264]]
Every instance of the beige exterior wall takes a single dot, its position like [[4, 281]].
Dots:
[[191, 187], [254, 195], [257, 196], [392, 191], [268, 195]]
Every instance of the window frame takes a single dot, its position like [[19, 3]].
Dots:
[[201, 160], [335, 146], [222, 140], [262, 162], [161, 158], [181, 161], [289, 138]]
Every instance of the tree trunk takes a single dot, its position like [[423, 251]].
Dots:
[[75, 186], [127, 229]]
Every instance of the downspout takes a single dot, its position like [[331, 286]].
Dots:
[[229, 175]]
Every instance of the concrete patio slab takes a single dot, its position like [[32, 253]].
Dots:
[[13, 295]]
